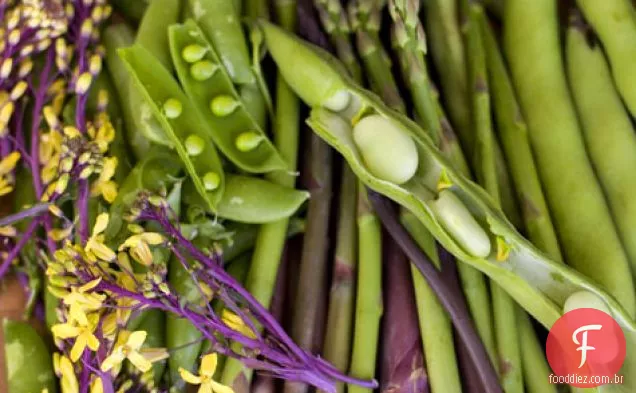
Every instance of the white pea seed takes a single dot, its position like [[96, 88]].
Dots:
[[456, 219], [388, 152], [338, 101], [194, 145], [584, 299]]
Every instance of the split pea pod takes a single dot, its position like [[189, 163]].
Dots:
[[482, 237], [615, 23], [230, 125], [581, 216], [608, 132], [28, 360], [180, 121]]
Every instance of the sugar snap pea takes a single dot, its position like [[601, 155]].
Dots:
[[181, 122], [581, 216], [152, 32], [538, 283], [253, 200], [28, 360], [231, 126], [608, 132], [615, 23]]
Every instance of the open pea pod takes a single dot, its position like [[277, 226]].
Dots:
[[460, 214], [252, 200], [181, 122], [208, 84]]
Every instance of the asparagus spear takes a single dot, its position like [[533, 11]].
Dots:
[[271, 237], [337, 347], [402, 368], [507, 339]]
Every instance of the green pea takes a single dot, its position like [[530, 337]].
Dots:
[[193, 53], [172, 108], [158, 85], [194, 145], [585, 299], [220, 105], [203, 70], [29, 362], [248, 141], [223, 105], [211, 181], [388, 152]]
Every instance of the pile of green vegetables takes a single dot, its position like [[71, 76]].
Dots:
[[296, 195]]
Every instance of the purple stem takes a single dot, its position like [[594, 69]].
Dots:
[[13, 254], [82, 206]]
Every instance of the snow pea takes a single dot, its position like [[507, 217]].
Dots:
[[152, 32], [181, 123], [236, 133], [29, 365], [536, 281], [154, 324], [252, 200]]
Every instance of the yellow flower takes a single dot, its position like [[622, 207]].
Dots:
[[8, 231], [104, 186], [206, 372], [139, 246], [80, 303], [127, 347], [6, 167], [235, 322], [83, 335], [95, 247], [64, 370], [96, 385]]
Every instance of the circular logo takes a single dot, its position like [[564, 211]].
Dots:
[[586, 348]]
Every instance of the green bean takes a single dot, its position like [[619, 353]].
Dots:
[[615, 23], [536, 371], [252, 200], [183, 339], [28, 360], [608, 132], [219, 104], [162, 92], [537, 282], [118, 36], [153, 29], [436, 328], [447, 52], [581, 216]]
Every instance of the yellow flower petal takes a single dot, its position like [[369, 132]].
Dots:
[[97, 386], [154, 354], [115, 359], [100, 224], [78, 348], [235, 322], [189, 377], [92, 342], [208, 365], [152, 238], [136, 339], [90, 285], [64, 331], [139, 361], [205, 387], [101, 251], [8, 163], [220, 388]]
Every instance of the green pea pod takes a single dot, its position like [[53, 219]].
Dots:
[[180, 121], [152, 32], [221, 24], [233, 129], [139, 127], [154, 324], [252, 200], [29, 362], [471, 227], [156, 172], [183, 339]]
